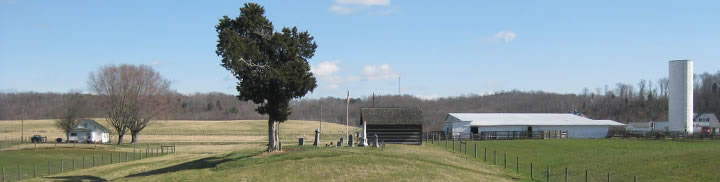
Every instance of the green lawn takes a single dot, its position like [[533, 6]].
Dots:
[[56, 160], [395, 163], [649, 160]]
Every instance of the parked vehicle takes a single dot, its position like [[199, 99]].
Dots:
[[38, 139]]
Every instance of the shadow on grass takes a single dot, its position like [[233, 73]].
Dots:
[[208, 162], [76, 178]]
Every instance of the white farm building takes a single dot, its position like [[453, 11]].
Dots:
[[464, 124], [89, 131]]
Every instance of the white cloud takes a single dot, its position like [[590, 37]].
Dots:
[[340, 10], [365, 2], [155, 63], [506, 36], [326, 68], [379, 72], [346, 7]]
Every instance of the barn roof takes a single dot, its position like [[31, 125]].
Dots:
[[525, 119], [391, 115]]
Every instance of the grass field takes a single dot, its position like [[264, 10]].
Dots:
[[395, 163], [648, 160], [174, 131]]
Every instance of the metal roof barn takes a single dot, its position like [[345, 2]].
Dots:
[[577, 126]]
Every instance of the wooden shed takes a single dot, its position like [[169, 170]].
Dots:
[[394, 125]]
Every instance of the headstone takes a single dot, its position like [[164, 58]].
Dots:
[[364, 138], [350, 140], [301, 140], [317, 137], [376, 144]]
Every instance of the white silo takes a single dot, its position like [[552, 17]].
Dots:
[[680, 89]]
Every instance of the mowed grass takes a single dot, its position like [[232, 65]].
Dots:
[[176, 131], [649, 160], [25, 164], [395, 163]]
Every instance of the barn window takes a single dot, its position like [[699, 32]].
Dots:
[[73, 134]]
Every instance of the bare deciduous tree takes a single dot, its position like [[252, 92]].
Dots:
[[69, 113], [131, 95]]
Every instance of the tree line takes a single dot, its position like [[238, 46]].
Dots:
[[644, 101]]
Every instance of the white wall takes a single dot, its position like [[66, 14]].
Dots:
[[573, 131], [680, 89]]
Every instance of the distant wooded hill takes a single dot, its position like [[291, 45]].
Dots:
[[624, 103]]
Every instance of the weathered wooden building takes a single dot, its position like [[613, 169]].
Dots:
[[395, 125]]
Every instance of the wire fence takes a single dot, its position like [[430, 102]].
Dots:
[[27, 170], [518, 164]]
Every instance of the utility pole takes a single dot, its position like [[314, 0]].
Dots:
[[321, 114], [22, 125]]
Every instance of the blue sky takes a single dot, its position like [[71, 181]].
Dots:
[[437, 48]]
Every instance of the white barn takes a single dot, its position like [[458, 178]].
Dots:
[[89, 131], [576, 126]]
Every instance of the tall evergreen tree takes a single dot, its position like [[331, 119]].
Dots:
[[271, 67]]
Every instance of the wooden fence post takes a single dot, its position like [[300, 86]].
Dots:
[[531, 171], [476, 150], [3, 177], [83, 165], [453, 145], [494, 157], [485, 154], [73, 166], [34, 170], [62, 166], [634, 178], [102, 158], [111, 157], [19, 173], [48, 168], [608, 179], [505, 159], [547, 174], [566, 174], [517, 164], [93, 160], [586, 175]]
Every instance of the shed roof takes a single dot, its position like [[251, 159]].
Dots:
[[99, 126], [532, 119], [391, 115]]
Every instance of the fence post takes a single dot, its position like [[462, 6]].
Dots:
[[111, 157], [3, 170], [494, 157], [476, 150], [517, 164], [547, 174], [505, 159], [34, 170], [48, 168], [485, 154], [83, 166], [634, 178], [453, 145], [73, 161], [62, 166], [19, 173], [174, 147], [102, 158], [93, 160], [531, 171], [566, 174], [608, 179], [586, 175]]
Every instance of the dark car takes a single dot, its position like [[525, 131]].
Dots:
[[37, 139]]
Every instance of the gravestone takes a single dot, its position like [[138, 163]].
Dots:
[[301, 140], [376, 144], [350, 141]]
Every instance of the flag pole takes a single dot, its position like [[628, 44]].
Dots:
[[347, 115]]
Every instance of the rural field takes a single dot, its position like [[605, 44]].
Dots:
[[233, 151], [649, 160]]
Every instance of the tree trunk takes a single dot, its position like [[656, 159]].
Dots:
[[120, 138], [272, 140], [135, 137], [67, 137]]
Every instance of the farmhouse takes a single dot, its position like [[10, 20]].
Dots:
[[464, 124], [393, 125], [89, 131]]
